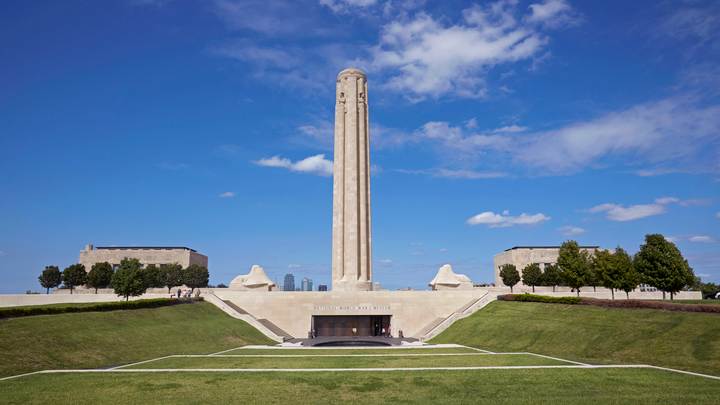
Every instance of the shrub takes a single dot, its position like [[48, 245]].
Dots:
[[14, 312], [539, 298], [662, 305]]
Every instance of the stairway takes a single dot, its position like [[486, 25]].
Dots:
[[238, 313], [435, 328]]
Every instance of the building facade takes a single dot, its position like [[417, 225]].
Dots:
[[521, 256], [156, 255], [307, 284], [289, 282]]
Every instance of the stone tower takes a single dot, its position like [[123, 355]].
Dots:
[[351, 244]]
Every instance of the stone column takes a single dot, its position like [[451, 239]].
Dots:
[[351, 257]]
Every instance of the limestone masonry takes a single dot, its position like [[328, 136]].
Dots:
[[521, 256], [351, 243], [157, 255]]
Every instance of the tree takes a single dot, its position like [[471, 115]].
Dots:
[[661, 265], [532, 275], [171, 275], [628, 277], [74, 276], [608, 274], [574, 264], [100, 276], [128, 279], [551, 277], [509, 275], [51, 277], [152, 276], [196, 276]]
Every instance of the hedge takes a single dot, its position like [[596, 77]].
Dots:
[[664, 305], [539, 298], [619, 303], [14, 312]]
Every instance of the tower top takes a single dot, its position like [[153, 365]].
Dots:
[[351, 72]]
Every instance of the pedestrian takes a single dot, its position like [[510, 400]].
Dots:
[[179, 292]]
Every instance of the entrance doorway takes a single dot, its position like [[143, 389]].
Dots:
[[351, 325]]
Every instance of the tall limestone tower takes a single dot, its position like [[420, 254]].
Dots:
[[351, 245]]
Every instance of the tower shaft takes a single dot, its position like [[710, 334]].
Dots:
[[351, 257]]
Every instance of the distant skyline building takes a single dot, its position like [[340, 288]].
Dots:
[[307, 284], [322, 287], [289, 283]]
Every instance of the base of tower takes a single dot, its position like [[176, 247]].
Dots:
[[351, 285]]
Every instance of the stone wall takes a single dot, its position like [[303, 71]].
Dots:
[[183, 256]]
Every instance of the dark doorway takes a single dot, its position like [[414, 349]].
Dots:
[[351, 325]]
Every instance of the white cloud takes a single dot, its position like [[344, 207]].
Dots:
[[674, 129], [571, 230], [701, 239], [294, 266], [433, 58], [344, 6], [503, 220], [455, 173], [553, 13], [227, 194], [266, 17], [316, 164], [673, 239], [621, 213]]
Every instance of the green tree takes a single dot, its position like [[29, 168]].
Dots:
[[608, 274], [51, 277], [509, 275], [196, 276], [532, 275], [152, 276], [628, 277], [100, 276], [128, 279], [552, 276], [74, 275], [171, 275], [574, 264], [661, 265]]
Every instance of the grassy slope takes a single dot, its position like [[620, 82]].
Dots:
[[473, 360], [550, 386], [102, 339], [689, 341]]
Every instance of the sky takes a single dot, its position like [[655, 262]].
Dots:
[[493, 124]]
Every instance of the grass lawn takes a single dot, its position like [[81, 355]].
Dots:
[[472, 360], [682, 340], [103, 339], [328, 352], [548, 386], [63, 305]]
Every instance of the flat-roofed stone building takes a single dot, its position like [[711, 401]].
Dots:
[[521, 256], [156, 255]]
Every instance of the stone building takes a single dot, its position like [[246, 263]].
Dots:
[[521, 256], [156, 255]]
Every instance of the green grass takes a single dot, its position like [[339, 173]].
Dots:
[[548, 386], [327, 352], [473, 360], [103, 339], [683, 340], [62, 305]]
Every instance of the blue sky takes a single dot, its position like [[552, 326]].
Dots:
[[493, 124]]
